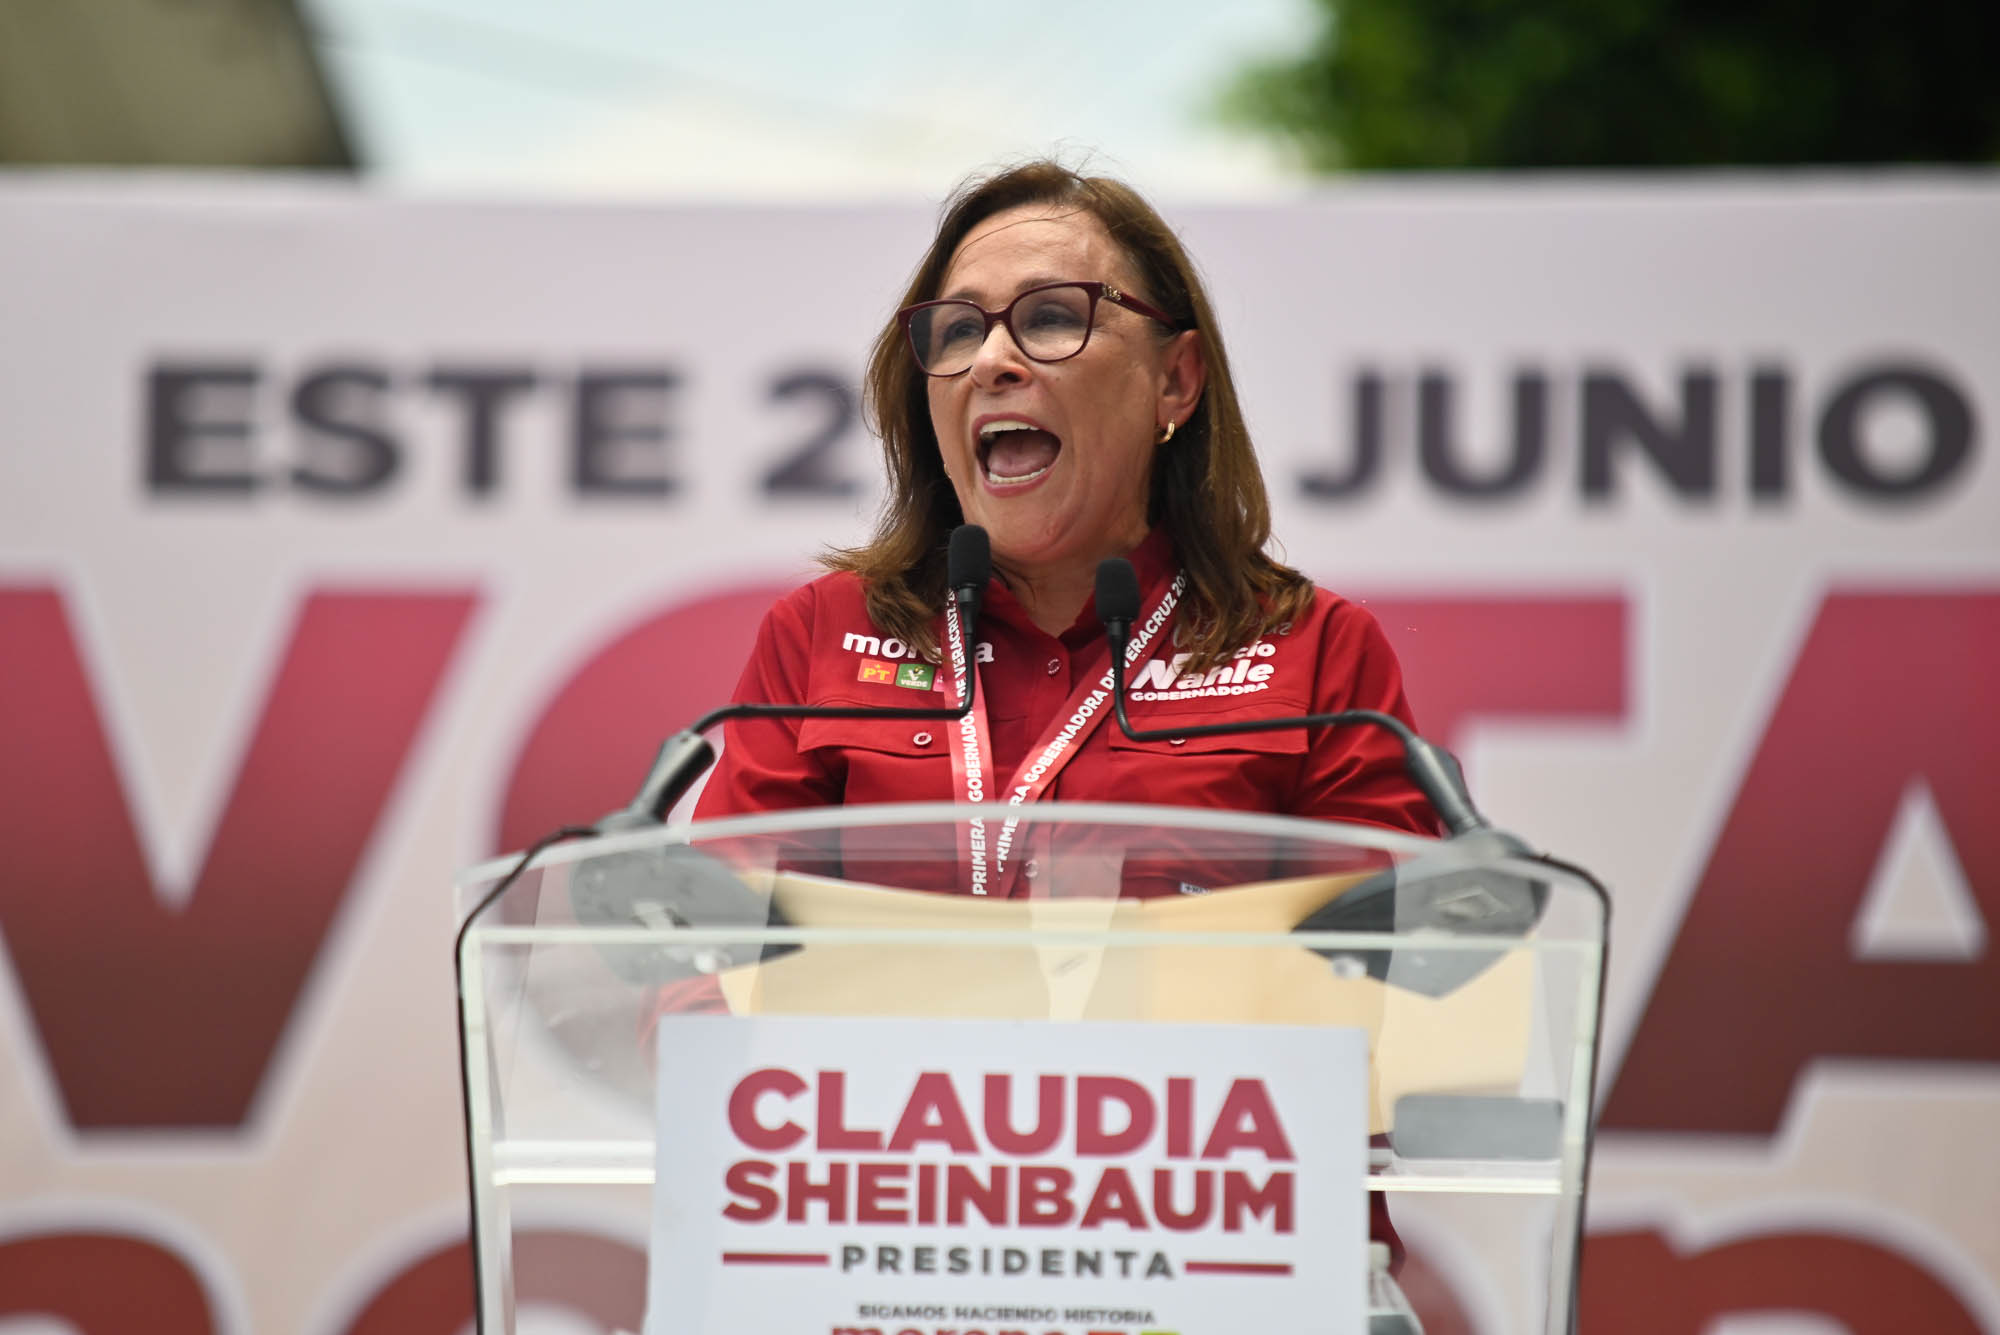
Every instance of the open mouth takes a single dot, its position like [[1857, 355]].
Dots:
[[1013, 452]]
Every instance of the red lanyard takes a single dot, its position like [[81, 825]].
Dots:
[[985, 856]]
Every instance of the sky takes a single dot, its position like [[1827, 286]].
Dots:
[[794, 99]]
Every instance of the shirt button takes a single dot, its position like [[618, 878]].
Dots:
[[1176, 741], [1055, 666], [1031, 869], [922, 739]]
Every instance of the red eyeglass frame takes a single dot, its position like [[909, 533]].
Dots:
[[1005, 315]]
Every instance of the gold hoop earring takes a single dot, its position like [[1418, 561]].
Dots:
[[1168, 433]]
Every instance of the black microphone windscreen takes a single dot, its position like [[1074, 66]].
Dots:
[[1117, 591], [969, 558]]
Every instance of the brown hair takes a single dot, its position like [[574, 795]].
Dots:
[[1206, 487]]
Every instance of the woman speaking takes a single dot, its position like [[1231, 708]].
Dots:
[[1056, 376]]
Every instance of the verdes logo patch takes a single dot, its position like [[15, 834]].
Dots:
[[910, 676]]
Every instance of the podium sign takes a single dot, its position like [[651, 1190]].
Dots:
[[823, 1174]]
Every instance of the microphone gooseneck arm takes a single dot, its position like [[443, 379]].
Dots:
[[1431, 768]]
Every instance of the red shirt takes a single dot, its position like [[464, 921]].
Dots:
[[817, 646]]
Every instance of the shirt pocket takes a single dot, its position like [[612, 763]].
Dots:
[[882, 759], [889, 760], [1248, 772], [1238, 771]]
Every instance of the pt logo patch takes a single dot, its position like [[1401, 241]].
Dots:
[[916, 676], [874, 669]]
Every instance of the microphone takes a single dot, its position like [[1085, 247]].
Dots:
[[968, 564], [1431, 768], [1396, 899], [686, 756]]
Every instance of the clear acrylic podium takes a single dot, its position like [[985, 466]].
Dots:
[[1475, 972]]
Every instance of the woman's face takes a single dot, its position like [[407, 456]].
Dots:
[[1054, 459]]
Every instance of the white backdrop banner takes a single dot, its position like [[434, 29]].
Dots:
[[345, 541]]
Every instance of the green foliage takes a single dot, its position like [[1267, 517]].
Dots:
[[1633, 83]]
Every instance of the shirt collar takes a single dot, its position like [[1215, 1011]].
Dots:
[[1152, 560]]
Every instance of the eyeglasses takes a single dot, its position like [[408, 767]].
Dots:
[[1050, 323]]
